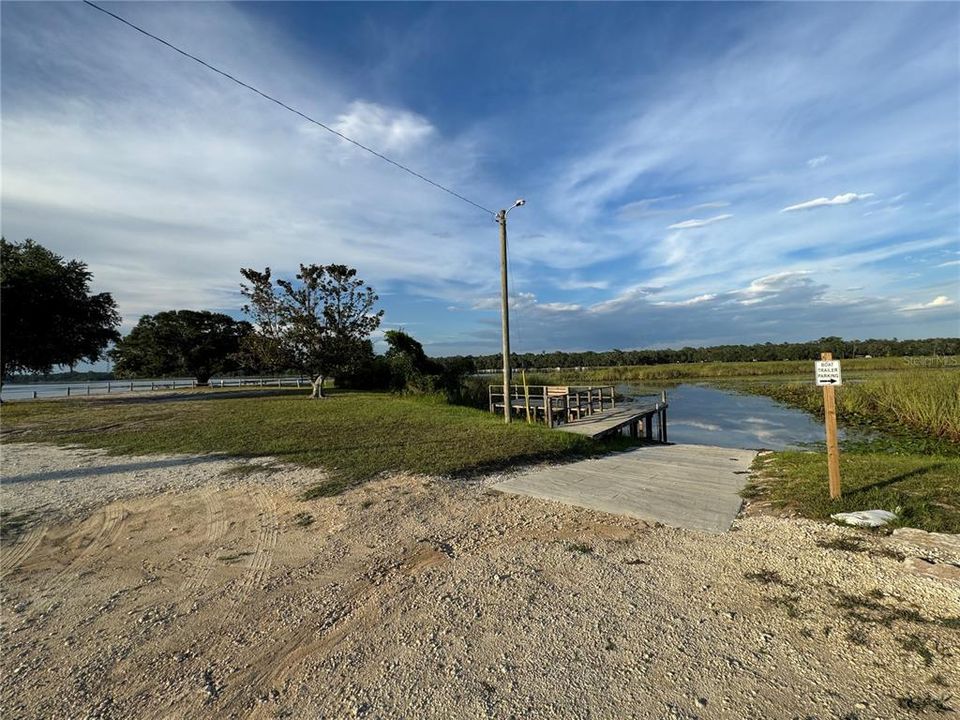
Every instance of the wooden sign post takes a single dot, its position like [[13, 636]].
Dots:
[[828, 375]]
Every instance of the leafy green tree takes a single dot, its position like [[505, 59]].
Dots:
[[321, 321], [181, 342], [269, 347], [410, 368], [47, 315]]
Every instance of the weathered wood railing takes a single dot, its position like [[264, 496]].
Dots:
[[553, 402]]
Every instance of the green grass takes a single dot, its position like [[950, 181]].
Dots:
[[353, 436], [921, 489]]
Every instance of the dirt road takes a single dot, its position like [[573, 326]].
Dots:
[[202, 587]]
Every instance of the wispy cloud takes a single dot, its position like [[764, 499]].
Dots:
[[711, 204], [816, 162], [698, 223], [644, 206], [388, 129], [844, 199], [941, 301], [707, 297], [575, 283]]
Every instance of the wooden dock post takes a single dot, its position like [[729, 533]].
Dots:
[[526, 394]]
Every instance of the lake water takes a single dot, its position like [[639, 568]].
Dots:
[[704, 415], [24, 391]]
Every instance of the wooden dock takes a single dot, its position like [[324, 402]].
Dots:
[[624, 418], [585, 410]]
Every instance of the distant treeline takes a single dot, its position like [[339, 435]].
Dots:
[[724, 353]]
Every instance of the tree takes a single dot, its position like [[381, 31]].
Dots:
[[269, 345], [322, 321], [47, 315], [410, 368], [181, 342]]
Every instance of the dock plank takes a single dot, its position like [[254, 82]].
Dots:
[[602, 423]]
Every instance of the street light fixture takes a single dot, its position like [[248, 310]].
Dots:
[[501, 218]]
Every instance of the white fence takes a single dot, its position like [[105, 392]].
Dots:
[[35, 391]]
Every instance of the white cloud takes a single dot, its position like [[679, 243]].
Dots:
[[698, 223], [939, 301], [844, 199], [645, 206], [382, 128], [559, 307], [707, 297], [817, 161], [518, 301], [709, 205], [575, 283], [948, 263]]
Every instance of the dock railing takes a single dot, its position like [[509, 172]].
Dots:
[[552, 403]]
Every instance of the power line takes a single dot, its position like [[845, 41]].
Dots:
[[287, 107]]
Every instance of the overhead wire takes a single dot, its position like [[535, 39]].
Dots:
[[287, 107]]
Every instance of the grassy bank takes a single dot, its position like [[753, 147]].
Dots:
[[912, 467], [353, 436], [926, 403], [923, 490]]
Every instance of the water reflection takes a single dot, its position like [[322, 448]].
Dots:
[[703, 415]]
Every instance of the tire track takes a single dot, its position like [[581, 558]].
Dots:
[[63, 581], [354, 608], [216, 526], [259, 563], [10, 560]]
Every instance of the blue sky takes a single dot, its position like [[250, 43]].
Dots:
[[694, 173]]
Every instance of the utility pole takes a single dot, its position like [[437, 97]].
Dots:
[[501, 218], [504, 314]]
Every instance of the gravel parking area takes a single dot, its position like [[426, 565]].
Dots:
[[194, 587]]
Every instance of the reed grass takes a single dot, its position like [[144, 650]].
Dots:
[[926, 402], [683, 371]]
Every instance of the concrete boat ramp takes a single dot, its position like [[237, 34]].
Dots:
[[688, 486]]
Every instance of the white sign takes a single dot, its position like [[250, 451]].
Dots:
[[828, 372]]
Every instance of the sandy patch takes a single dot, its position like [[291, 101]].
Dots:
[[170, 587]]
